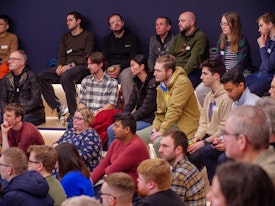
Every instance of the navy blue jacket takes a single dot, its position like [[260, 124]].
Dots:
[[27, 189]]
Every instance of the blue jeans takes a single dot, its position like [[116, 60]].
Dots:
[[111, 134], [259, 83]]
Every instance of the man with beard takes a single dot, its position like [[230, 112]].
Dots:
[[154, 182], [187, 181], [118, 48], [259, 82], [190, 47], [74, 48]]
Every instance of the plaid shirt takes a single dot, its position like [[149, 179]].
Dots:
[[188, 183], [97, 94]]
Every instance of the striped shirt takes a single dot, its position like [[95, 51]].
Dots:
[[230, 59], [97, 94]]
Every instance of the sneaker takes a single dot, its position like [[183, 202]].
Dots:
[[62, 110]]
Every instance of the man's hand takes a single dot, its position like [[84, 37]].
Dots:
[[196, 146], [5, 127], [154, 135], [114, 71], [261, 40], [58, 70], [218, 144]]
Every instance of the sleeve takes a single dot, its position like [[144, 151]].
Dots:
[[243, 55], [83, 92], [105, 50], [132, 101], [198, 53], [268, 57], [62, 56], [4, 93], [113, 92], [88, 48], [151, 59], [148, 104], [14, 44]]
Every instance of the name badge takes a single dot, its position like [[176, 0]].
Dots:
[[4, 47], [69, 51], [187, 48], [127, 45], [268, 50], [215, 108], [222, 52]]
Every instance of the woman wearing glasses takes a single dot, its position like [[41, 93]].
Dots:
[[84, 138]]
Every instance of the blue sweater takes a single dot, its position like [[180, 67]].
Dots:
[[75, 184], [268, 57]]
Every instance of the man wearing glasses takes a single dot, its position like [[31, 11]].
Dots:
[[21, 85], [117, 189], [25, 188]]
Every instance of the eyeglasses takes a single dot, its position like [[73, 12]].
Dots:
[[4, 165], [102, 193], [224, 24], [225, 133], [14, 59], [30, 161], [78, 118]]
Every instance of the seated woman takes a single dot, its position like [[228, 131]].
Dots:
[[142, 102], [73, 174], [232, 48], [84, 138], [241, 184]]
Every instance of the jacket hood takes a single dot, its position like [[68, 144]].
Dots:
[[29, 182], [179, 73]]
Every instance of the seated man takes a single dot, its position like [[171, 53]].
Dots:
[[214, 112], [259, 82], [73, 50], [118, 48], [43, 158], [176, 102], [8, 44], [190, 47], [98, 91], [160, 43], [21, 85], [117, 189], [154, 182], [25, 188], [15, 132], [187, 181], [127, 146]]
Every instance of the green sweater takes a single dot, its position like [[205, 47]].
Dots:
[[56, 190], [190, 50]]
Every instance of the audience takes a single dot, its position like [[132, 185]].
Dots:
[[72, 171], [119, 47], [15, 132], [81, 200], [8, 44], [243, 128], [190, 47], [187, 181], [42, 158], [214, 113], [21, 85], [84, 138], [74, 48], [154, 182], [160, 43], [176, 102], [25, 188], [259, 82], [241, 184], [117, 189], [232, 49], [125, 153], [142, 102]]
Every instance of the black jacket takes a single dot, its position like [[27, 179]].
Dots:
[[28, 92], [143, 99]]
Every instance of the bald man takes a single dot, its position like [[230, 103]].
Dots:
[[190, 47]]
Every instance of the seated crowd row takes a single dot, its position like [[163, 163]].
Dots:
[[223, 130]]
